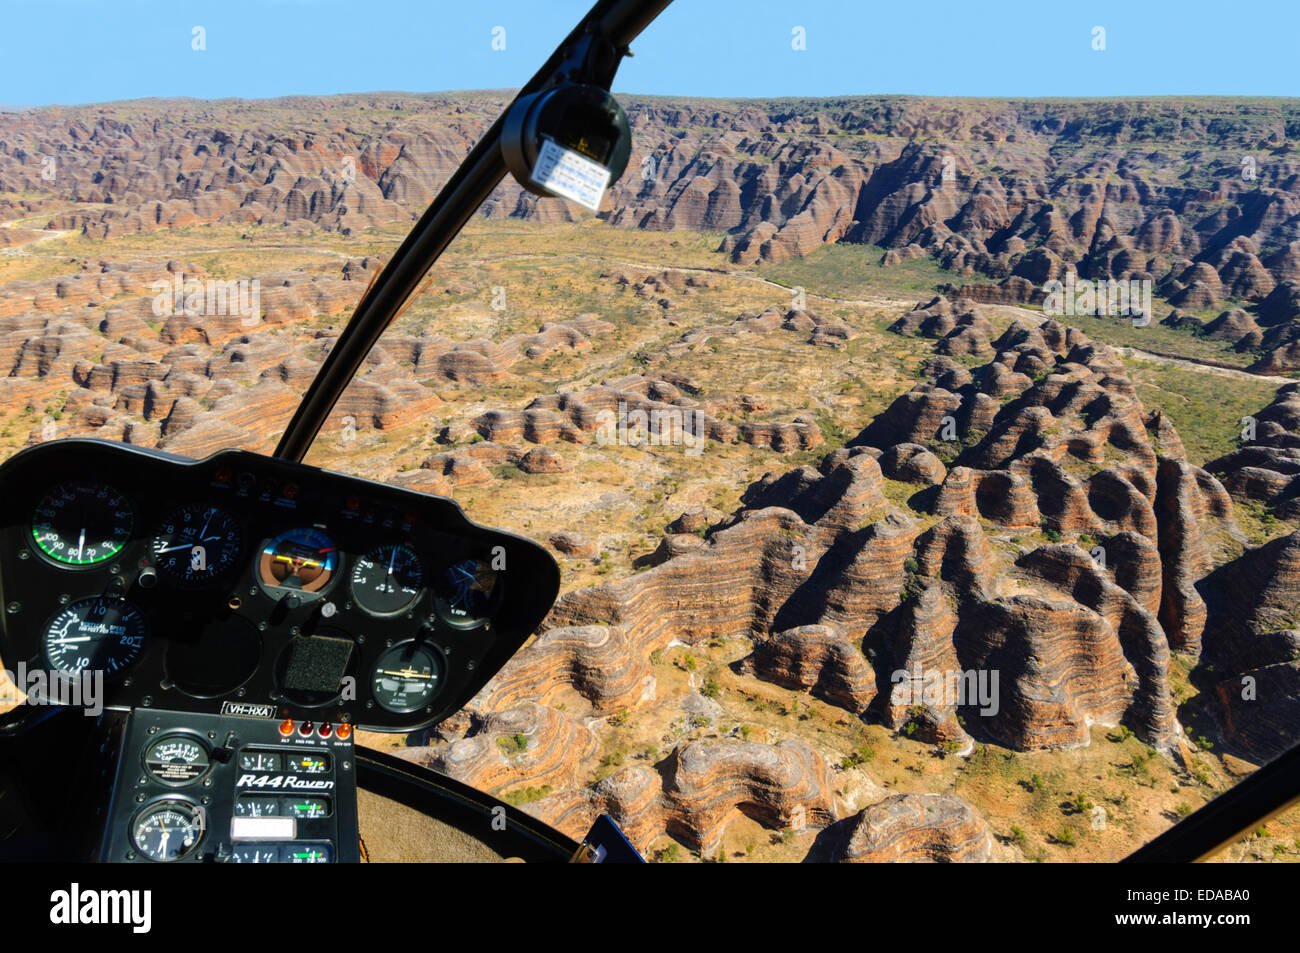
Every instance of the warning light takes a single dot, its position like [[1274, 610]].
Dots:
[[353, 503], [222, 475], [344, 732], [291, 491], [286, 727]]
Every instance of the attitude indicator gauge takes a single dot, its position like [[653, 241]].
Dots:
[[195, 545], [168, 830], [82, 523], [407, 677], [298, 561], [388, 580], [97, 634]]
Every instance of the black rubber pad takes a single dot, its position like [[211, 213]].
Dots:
[[318, 664]]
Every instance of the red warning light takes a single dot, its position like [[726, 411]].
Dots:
[[353, 503], [291, 491]]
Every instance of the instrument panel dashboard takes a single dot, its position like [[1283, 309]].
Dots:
[[244, 583]]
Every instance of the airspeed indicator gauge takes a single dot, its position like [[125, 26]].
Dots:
[[81, 523]]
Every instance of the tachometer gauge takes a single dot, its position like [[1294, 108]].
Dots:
[[177, 759], [407, 677], [168, 830], [298, 561], [467, 593], [96, 634], [388, 580], [197, 544], [82, 523]]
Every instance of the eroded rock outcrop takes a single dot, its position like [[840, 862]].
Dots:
[[908, 828]]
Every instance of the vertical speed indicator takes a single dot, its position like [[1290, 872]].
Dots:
[[388, 580]]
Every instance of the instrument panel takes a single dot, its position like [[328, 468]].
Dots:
[[242, 582]]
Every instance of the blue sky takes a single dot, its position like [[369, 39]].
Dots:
[[77, 51]]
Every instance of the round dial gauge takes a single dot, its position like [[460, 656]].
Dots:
[[168, 830], [388, 580], [177, 759], [407, 677], [82, 523], [467, 593], [197, 544], [96, 634], [299, 560]]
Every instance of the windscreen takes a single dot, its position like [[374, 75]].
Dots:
[[922, 467]]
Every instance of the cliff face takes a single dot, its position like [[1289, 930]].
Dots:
[[1059, 547], [1007, 195], [1012, 552], [909, 828]]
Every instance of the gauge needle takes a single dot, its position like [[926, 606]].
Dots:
[[80, 638], [81, 543], [408, 673], [392, 562], [162, 848]]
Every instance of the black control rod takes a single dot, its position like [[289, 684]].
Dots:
[[590, 53]]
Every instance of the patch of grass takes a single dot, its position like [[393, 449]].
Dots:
[[526, 795], [1205, 408], [513, 744], [854, 271]]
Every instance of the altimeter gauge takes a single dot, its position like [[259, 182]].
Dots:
[[195, 545]]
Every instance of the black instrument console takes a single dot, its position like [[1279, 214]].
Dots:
[[247, 614], [231, 788]]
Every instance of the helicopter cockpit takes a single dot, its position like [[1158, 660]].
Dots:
[[197, 642]]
